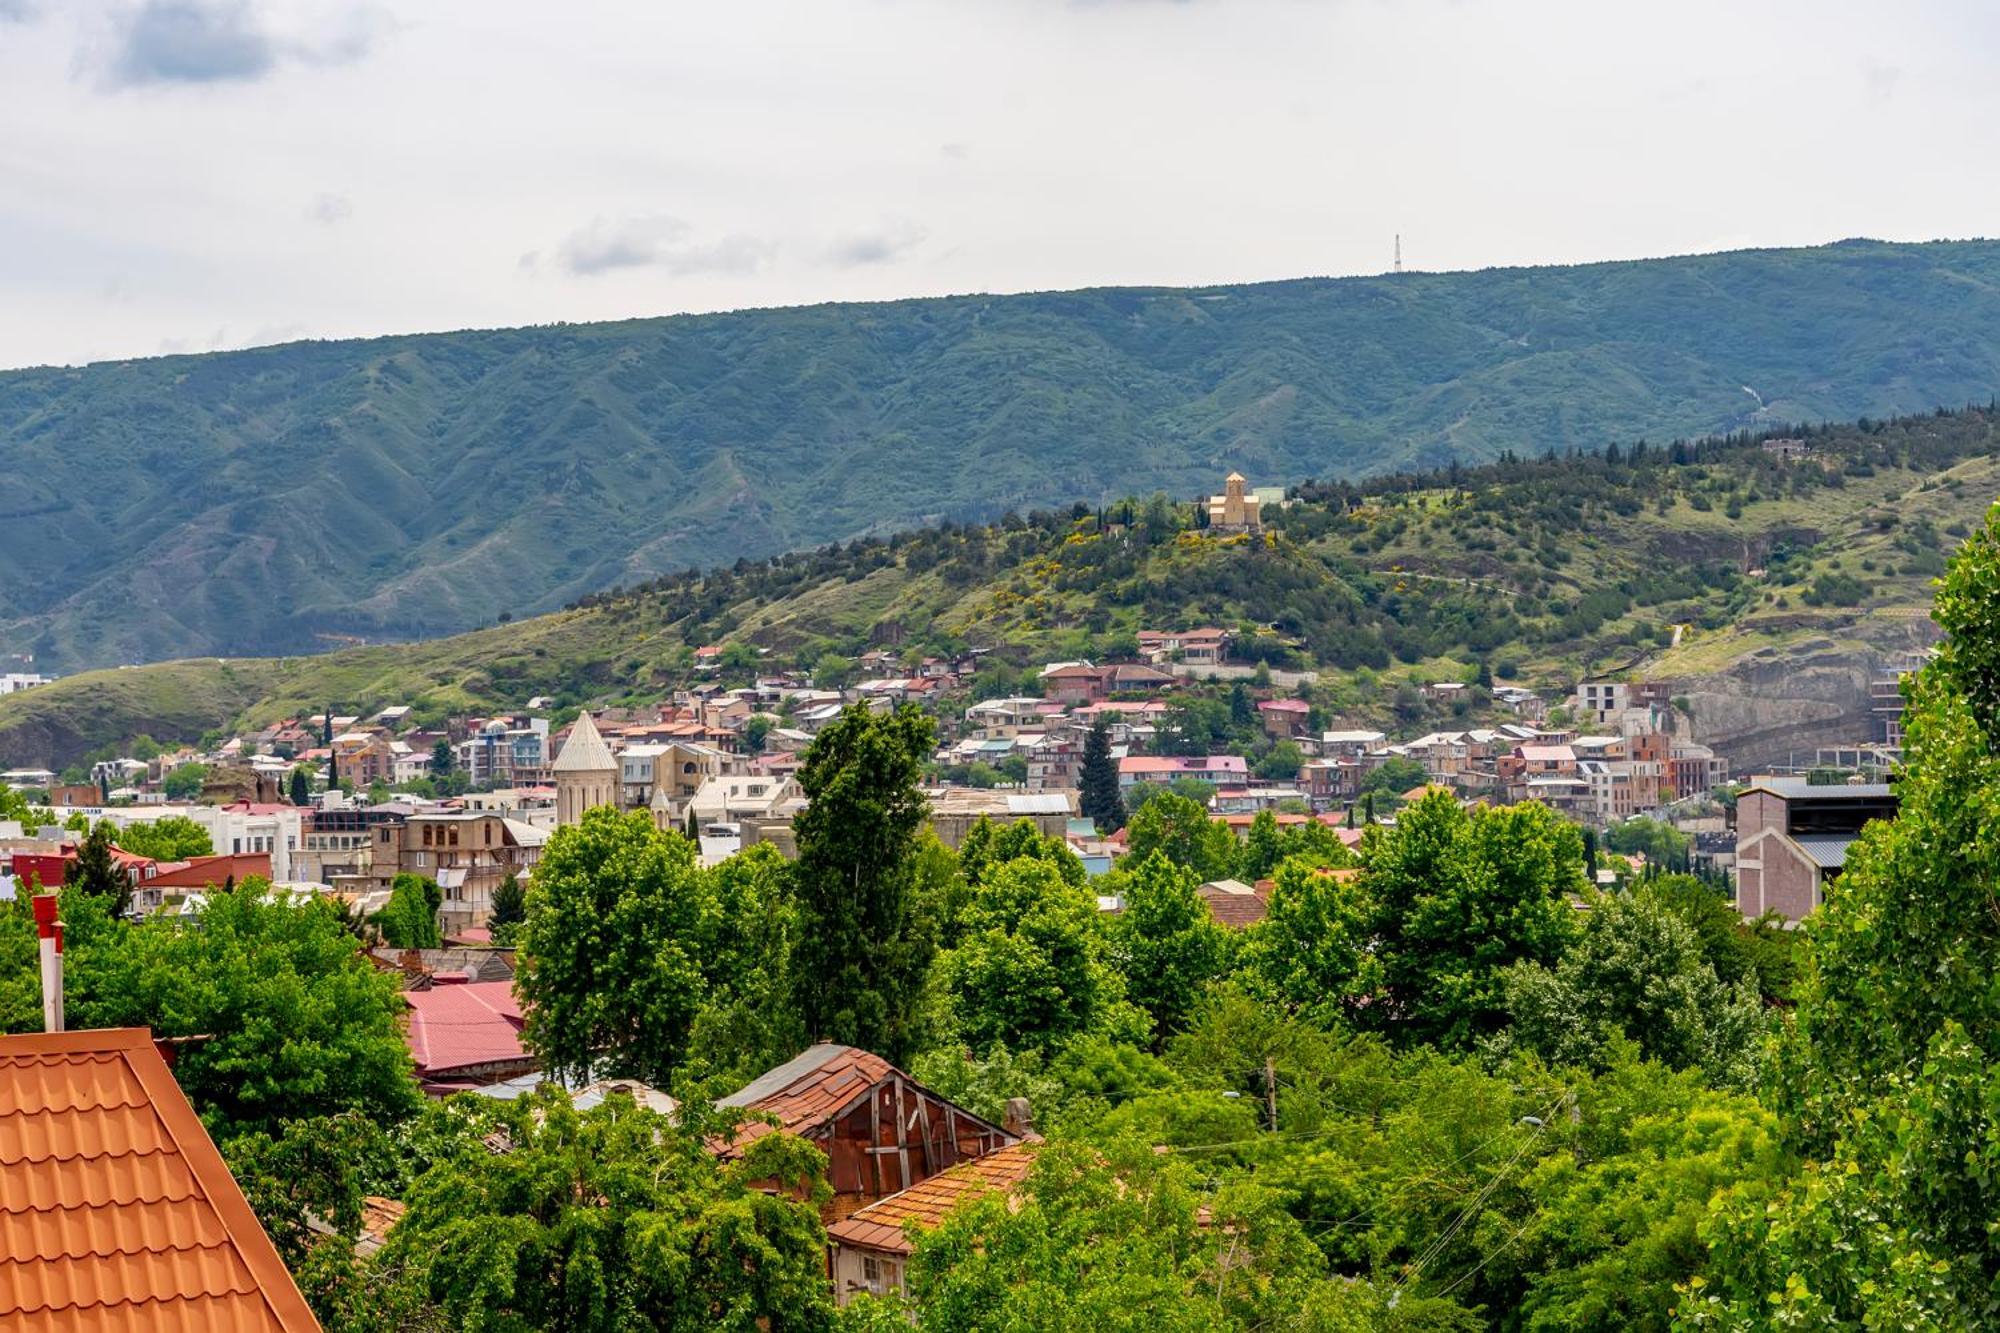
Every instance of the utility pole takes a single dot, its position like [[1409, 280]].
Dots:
[[1271, 1091]]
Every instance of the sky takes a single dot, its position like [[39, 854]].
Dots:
[[183, 175]]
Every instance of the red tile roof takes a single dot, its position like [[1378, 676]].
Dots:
[[116, 1211], [1237, 911], [460, 1026], [879, 1226]]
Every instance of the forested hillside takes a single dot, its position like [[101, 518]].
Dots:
[[273, 501], [1680, 558]]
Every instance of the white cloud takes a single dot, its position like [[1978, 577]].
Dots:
[[328, 209], [226, 41], [796, 151], [880, 246], [655, 242]]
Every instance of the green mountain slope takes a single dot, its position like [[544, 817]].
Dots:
[[1687, 559], [273, 501]]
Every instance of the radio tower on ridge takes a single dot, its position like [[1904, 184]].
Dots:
[[1399, 252]]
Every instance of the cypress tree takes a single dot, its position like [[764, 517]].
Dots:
[[97, 874], [863, 949], [1099, 797]]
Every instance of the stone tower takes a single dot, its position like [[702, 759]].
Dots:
[[586, 773]]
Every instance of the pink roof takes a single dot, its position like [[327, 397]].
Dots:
[[1184, 764], [259, 807], [1285, 706], [1546, 754], [458, 1026]]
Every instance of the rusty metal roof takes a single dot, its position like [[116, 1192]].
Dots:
[[880, 1225], [810, 1089], [116, 1211]]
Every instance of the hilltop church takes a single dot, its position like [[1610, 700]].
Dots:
[[1235, 510]]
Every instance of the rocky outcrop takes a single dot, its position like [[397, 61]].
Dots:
[[1777, 706]]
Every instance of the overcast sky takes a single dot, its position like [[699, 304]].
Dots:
[[181, 175]]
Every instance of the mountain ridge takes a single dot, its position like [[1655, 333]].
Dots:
[[1769, 585], [275, 500]]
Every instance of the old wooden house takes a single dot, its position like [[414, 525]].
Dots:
[[881, 1130]]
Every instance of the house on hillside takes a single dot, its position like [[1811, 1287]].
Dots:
[[881, 1130], [1284, 719], [1222, 769], [954, 810]]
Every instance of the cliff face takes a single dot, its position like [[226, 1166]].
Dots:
[[1777, 706]]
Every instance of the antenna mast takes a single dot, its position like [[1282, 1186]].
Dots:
[[1399, 252]]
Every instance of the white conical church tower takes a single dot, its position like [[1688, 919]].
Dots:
[[586, 773]]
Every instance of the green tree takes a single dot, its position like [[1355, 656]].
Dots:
[[294, 1022], [1182, 831], [1281, 763], [409, 920], [184, 783], [1165, 943], [1031, 969], [1263, 847], [301, 787], [1394, 776], [510, 909], [863, 954], [1310, 953], [1885, 1079], [1637, 971], [989, 846], [1122, 1237], [1098, 795], [1660, 843], [755, 730], [97, 873], [750, 1020], [1458, 899], [443, 759], [174, 838], [614, 1219], [618, 922]]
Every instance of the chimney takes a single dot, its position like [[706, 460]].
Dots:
[[50, 932], [1019, 1118]]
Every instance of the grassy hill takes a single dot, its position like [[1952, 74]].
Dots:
[[1687, 559], [288, 499]]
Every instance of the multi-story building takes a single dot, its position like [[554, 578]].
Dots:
[[1604, 700], [507, 752], [337, 841], [468, 853], [1792, 838]]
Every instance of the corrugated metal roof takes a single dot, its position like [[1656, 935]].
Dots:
[[464, 1025], [116, 1211], [1827, 850]]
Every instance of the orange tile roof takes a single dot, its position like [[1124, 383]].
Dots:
[[879, 1226], [116, 1211]]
